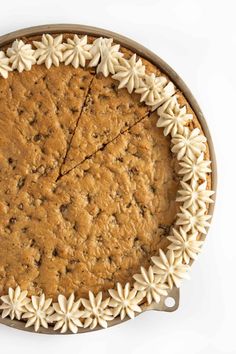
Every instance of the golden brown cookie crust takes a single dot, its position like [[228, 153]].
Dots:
[[113, 208]]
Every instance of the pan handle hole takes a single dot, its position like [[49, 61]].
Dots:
[[170, 302]]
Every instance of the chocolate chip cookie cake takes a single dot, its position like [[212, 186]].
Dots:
[[105, 182]]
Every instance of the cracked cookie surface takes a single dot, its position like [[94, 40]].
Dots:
[[112, 209], [107, 113], [97, 224], [38, 114], [116, 208]]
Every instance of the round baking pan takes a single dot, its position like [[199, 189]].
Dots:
[[179, 83]]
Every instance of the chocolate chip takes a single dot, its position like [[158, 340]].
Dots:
[[55, 252], [76, 226], [165, 229], [63, 208], [133, 171], [38, 263], [20, 111], [103, 97], [37, 137], [103, 147], [89, 198], [153, 189], [68, 269], [12, 221], [74, 110], [33, 121], [21, 182], [114, 87]]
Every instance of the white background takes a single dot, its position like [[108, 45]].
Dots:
[[198, 39]]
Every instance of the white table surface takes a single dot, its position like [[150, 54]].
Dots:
[[198, 39]]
